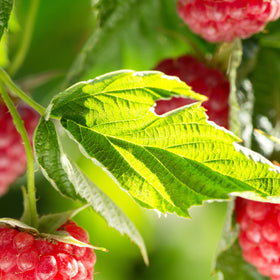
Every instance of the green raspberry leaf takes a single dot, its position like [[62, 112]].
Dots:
[[5, 12], [49, 153], [70, 181], [168, 162], [47, 149]]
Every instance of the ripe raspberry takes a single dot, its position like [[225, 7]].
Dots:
[[12, 152], [209, 82], [259, 236], [223, 21], [24, 256]]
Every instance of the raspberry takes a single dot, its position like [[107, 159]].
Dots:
[[203, 80], [223, 21], [24, 256], [259, 235], [12, 152]]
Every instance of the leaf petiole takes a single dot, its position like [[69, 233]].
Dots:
[[29, 155], [235, 60], [12, 86]]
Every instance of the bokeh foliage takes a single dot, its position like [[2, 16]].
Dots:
[[75, 40]]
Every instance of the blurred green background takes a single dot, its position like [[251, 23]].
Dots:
[[178, 248]]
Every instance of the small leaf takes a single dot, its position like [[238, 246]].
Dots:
[[68, 179], [50, 223], [267, 135], [47, 151], [65, 237], [168, 162], [5, 12], [60, 236], [19, 225]]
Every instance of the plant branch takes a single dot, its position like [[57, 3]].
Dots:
[[29, 155], [11, 85], [26, 38], [234, 62]]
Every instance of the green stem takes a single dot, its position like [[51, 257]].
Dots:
[[11, 85], [26, 38], [29, 155], [235, 60]]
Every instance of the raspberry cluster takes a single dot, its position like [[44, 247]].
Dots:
[[12, 152], [259, 236], [223, 21], [24, 257], [203, 80]]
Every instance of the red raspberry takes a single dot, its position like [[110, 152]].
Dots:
[[24, 256], [259, 235], [12, 152], [223, 21], [203, 80]]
